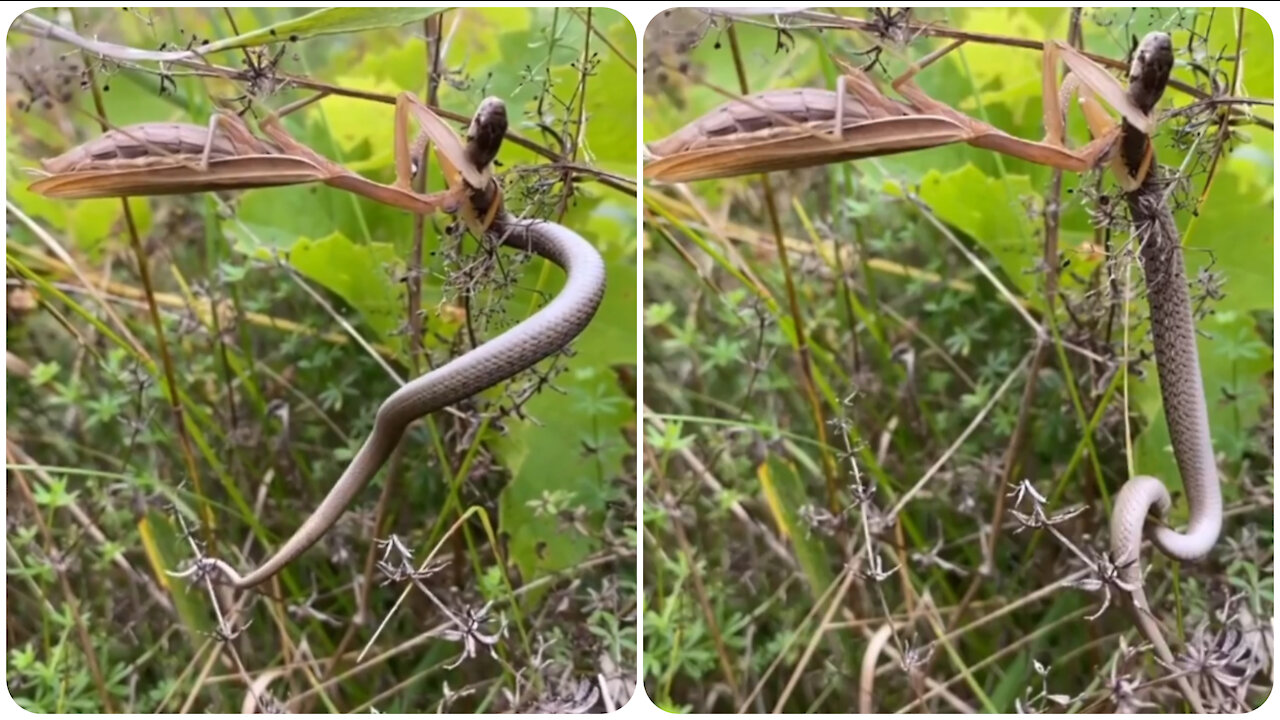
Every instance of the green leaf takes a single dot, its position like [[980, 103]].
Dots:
[[610, 145], [44, 372], [785, 494], [54, 494], [167, 551], [1013, 680], [993, 212], [1243, 255], [361, 274], [96, 223], [658, 314], [997, 75], [576, 447], [359, 133], [328, 21]]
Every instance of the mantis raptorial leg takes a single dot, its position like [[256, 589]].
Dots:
[[1054, 140]]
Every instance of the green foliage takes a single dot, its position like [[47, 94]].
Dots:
[[350, 271], [787, 501], [584, 430], [284, 315], [326, 21], [911, 355]]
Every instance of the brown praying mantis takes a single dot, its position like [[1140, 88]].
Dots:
[[795, 128], [177, 158]]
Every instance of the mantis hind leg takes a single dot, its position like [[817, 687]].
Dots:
[[905, 86], [215, 120], [271, 127], [837, 130], [907, 78]]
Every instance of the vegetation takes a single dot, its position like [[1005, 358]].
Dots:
[[193, 373], [845, 405]]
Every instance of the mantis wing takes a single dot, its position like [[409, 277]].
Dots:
[[788, 148], [164, 176]]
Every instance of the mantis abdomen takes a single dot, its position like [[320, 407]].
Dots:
[[174, 159], [149, 144], [755, 117]]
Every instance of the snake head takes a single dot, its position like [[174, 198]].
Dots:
[[1150, 68], [488, 128]]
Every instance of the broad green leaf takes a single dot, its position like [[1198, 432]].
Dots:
[[363, 275], [97, 224], [611, 94], [358, 133], [997, 74], [785, 494], [575, 447], [274, 217], [991, 211], [1257, 76], [1242, 254], [401, 65]]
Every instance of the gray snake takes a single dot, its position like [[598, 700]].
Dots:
[[1160, 253], [1181, 388], [534, 339], [539, 336]]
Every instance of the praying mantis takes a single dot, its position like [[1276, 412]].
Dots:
[[177, 158], [796, 128]]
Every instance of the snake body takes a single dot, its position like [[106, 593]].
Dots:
[[1182, 392], [539, 336], [1181, 388]]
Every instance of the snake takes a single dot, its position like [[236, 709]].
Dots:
[[1181, 387], [537, 337]]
